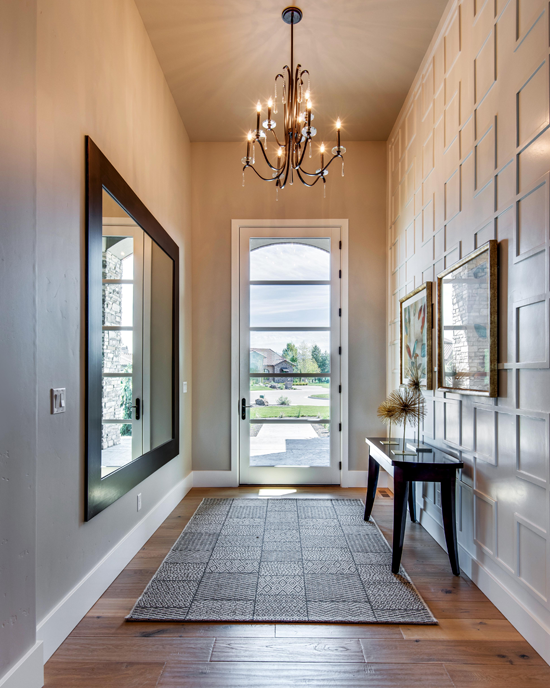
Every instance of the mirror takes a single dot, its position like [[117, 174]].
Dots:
[[132, 409], [467, 317]]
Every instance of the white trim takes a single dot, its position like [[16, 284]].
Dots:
[[28, 672], [56, 626], [215, 479], [531, 628], [236, 225]]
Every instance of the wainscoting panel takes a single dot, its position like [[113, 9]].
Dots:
[[469, 161]]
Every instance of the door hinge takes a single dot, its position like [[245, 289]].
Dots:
[[340, 465], [339, 350], [340, 427], [340, 274], [339, 389], [340, 312], [339, 244]]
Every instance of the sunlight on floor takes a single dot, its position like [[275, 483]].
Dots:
[[274, 492]]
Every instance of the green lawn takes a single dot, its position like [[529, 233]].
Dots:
[[290, 412], [319, 396], [326, 385]]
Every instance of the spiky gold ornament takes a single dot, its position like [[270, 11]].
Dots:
[[410, 407], [386, 412]]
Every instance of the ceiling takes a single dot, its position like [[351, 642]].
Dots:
[[220, 56]]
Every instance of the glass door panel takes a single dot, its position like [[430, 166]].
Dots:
[[122, 271], [285, 305], [289, 364]]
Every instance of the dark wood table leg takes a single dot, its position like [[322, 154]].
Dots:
[[412, 510], [374, 470], [448, 507], [400, 494]]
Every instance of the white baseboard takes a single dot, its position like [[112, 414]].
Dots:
[[531, 628], [215, 479], [360, 478], [56, 626], [28, 672]]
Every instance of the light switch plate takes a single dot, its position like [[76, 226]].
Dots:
[[185, 387], [58, 399]]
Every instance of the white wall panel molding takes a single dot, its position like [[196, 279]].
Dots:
[[481, 161], [56, 626]]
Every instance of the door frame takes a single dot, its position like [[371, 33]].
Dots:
[[232, 477]]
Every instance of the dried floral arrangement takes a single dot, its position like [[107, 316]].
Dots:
[[387, 413], [409, 405]]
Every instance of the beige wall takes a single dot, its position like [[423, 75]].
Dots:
[[469, 159], [218, 197], [97, 74], [17, 330]]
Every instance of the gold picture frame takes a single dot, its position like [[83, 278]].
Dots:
[[467, 302], [415, 334]]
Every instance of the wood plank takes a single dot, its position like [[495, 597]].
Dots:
[[287, 650], [102, 674], [338, 631], [455, 608], [101, 626], [134, 650], [499, 677], [313, 675], [445, 651], [464, 629]]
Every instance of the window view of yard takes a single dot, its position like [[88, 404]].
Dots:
[[290, 444]]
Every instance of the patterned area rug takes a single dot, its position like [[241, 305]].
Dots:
[[281, 560]]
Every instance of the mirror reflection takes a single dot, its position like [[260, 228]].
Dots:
[[137, 355]]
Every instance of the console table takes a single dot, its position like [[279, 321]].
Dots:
[[432, 466]]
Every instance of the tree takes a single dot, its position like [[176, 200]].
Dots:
[[324, 362], [316, 355], [290, 352], [305, 361]]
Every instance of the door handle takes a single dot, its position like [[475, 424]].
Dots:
[[243, 408], [137, 406]]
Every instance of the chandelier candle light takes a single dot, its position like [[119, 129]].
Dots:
[[297, 132]]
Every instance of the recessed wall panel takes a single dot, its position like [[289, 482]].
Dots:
[[533, 105], [532, 338], [485, 435], [484, 68], [532, 229], [532, 560], [534, 389], [533, 447], [484, 522]]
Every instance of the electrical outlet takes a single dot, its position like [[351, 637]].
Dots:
[[139, 502], [58, 399]]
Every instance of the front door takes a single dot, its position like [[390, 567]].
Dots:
[[289, 356]]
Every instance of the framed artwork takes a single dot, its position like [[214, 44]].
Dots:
[[416, 335], [467, 324]]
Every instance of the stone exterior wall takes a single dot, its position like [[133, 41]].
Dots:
[[112, 349]]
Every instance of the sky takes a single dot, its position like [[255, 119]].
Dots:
[[289, 306]]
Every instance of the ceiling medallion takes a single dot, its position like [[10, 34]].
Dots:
[[297, 132]]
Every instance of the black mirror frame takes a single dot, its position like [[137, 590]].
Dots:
[[100, 493]]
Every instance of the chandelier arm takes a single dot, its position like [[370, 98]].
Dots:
[[298, 172], [315, 174], [276, 139], [265, 179], [275, 169], [303, 152]]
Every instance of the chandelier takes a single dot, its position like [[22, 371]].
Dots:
[[297, 133]]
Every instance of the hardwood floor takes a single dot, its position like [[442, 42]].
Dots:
[[472, 645]]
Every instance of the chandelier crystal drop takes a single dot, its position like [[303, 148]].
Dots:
[[294, 87]]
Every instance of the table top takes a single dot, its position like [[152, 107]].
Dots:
[[434, 457]]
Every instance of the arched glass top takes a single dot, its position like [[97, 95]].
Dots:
[[294, 260]]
